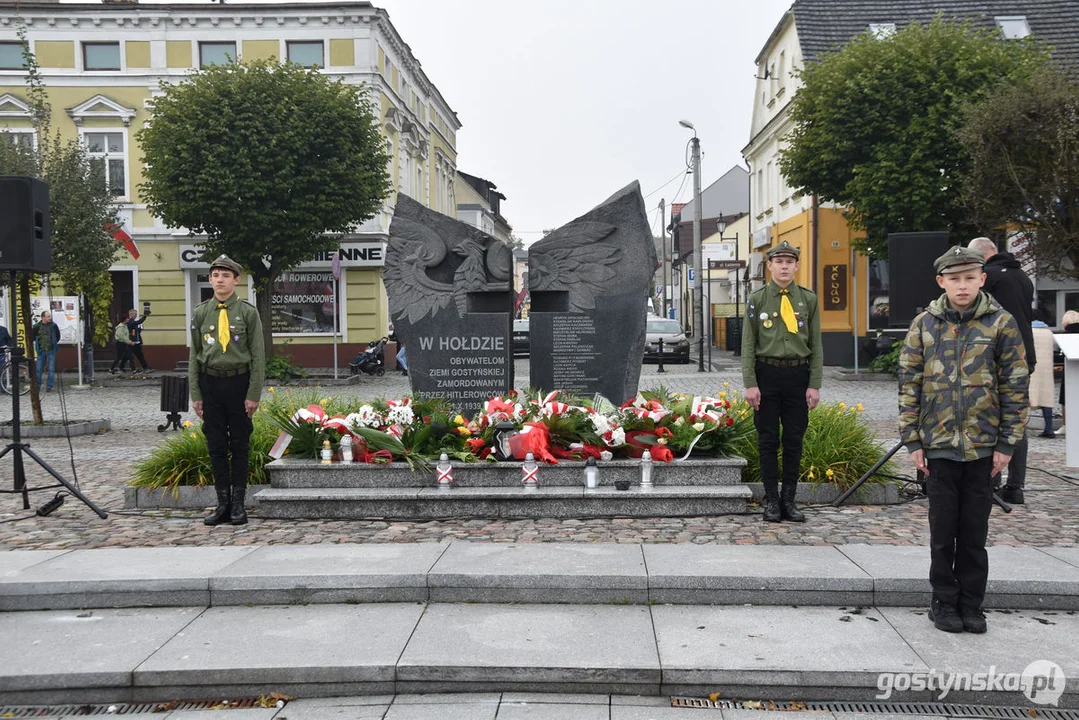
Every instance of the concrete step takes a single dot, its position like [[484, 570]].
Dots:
[[778, 652], [300, 473], [540, 573], [502, 502]]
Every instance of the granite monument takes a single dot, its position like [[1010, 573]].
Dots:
[[450, 293], [589, 283]]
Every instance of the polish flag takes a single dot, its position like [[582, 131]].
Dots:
[[120, 235]]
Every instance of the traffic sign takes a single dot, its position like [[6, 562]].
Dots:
[[691, 274], [336, 265]]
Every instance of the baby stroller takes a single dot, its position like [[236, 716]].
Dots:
[[370, 361]]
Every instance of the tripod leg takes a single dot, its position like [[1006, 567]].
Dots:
[[20, 475], [880, 463], [71, 488]]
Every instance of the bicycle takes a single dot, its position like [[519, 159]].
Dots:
[[6, 374]]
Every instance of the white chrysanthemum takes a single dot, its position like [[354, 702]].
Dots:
[[698, 426], [365, 417], [400, 415], [599, 423], [618, 437], [680, 421]]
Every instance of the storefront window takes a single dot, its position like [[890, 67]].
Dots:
[[879, 311], [302, 303]]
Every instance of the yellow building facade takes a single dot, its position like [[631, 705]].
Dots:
[[102, 67]]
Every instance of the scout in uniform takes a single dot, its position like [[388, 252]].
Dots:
[[782, 367], [226, 370], [962, 412]]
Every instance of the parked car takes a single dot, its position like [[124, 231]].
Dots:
[[675, 342], [520, 338]]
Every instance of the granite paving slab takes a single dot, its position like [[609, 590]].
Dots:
[[1016, 638], [1018, 577], [1069, 555], [764, 574], [371, 707], [564, 648], [16, 561], [327, 574], [547, 711], [118, 577], [540, 573], [442, 711], [65, 652], [799, 650], [283, 646]]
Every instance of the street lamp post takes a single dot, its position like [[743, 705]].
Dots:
[[698, 264]]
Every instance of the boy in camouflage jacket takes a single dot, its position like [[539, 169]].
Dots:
[[962, 409]]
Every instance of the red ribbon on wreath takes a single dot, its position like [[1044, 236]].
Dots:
[[535, 438], [641, 440]]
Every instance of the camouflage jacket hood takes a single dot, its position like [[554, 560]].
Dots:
[[963, 381]]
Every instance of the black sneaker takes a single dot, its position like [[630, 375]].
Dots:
[[147, 370], [944, 617], [1012, 495], [973, 620], [112, 372]]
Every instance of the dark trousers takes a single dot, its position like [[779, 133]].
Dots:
[[1017, 466], [783, 400], [227, 428], [136, 351], [960, 499], [123, 357]]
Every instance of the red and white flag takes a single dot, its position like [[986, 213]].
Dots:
[[121, 236]]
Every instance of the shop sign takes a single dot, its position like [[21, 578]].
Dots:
[[370, 253]]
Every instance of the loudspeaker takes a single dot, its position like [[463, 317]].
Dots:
[[912, 280], [24, 224]]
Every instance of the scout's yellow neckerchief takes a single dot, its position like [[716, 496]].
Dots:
[[786, 311], [223, 325]]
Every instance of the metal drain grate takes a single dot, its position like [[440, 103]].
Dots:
[[954, 710], [33, 711]]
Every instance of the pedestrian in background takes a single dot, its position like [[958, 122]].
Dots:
[[226, 369], [962, 407], [46, 344], [134, 328], [122, 336], [1070, 324], [1041, 377], [782, 368], [1013, 290]]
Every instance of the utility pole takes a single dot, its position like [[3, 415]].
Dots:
[[666, 256], [698, 258]]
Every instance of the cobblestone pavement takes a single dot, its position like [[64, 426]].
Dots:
[[102, 466]]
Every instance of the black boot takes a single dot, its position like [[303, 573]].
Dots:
[[221, 513], [787, 509], [239, 514], [771, 506]]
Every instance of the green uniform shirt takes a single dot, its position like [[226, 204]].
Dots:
[[765, 335], [245, 348]]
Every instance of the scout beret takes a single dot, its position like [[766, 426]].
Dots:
[[224, 261], [958, 259], [784, 248]]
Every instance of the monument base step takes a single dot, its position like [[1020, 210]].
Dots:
[[154, 655], [503, 502]]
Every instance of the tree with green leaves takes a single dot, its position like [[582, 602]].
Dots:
[[269, 161], [80, 211], [1023, 140], [874, 124]]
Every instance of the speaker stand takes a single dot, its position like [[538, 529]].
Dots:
[[17, 448]]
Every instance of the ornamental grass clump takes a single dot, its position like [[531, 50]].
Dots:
[[838, 449]]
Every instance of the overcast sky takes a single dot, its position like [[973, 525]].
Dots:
[[563, 102]]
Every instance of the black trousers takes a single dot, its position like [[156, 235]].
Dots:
[[1017, 466], [136, 352], [960, 499], [122, 358], [783, 400], [227, 428]]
